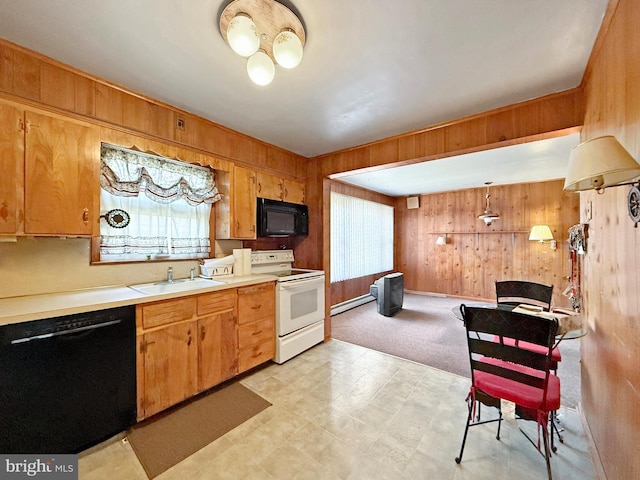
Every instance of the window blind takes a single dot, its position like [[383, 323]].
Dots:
[[361, 237]]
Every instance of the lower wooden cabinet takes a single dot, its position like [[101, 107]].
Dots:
[[190, 344], [217, 338], [170, 367], [257, 332]]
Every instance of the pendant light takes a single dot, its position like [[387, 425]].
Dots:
[[488, 216]]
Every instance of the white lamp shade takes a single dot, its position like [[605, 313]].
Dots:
[[242, 35], [599, 163], [541, 233], [260, 68], [287, 49]]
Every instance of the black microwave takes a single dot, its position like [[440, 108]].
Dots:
[[281, 219]]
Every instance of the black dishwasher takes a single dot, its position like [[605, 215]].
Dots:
[[67, 383]]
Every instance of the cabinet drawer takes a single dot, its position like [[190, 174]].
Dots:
[[256, 332], [170, 311], [217, 302], [256, 303], [255, 355]]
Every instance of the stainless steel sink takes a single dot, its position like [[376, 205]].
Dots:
[[183, 285]]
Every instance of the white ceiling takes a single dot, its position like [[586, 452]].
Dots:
[[371, 68]]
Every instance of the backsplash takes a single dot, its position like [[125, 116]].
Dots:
[[48, 265]]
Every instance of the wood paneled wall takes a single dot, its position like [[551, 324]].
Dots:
[[611, 349], [476, 255], [39, 80]]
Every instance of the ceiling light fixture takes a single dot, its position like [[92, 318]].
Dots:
[[488, 216], [266, 32]]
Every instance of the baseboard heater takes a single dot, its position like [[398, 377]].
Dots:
[[352, 303]]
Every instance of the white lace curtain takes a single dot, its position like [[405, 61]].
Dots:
[[169, 203]]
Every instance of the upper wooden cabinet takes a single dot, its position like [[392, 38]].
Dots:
[[236, 213], [61, 175], [12, 168], [278, 188], [51, 186]]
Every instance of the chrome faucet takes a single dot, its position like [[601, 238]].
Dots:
[[170, 275]]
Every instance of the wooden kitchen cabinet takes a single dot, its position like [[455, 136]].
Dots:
[[61, 175], [217, 338], [279, 188], [190, 344], [12, 168], [236, 212], [244, 203], [170, 366], [50, 185], [167, 354], [256, 329]]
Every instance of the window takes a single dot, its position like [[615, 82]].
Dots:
[[361, 237], [168, 202]]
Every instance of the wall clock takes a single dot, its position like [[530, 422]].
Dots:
[[633, 204]]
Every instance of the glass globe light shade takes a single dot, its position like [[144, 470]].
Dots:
[[287, 49], [242, 35], [260, 68]]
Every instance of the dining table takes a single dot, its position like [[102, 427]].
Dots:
[[570, 324]]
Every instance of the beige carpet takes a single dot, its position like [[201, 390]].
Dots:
[[171, 436], [426, 331]]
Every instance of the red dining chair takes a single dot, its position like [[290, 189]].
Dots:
[[501, 371]]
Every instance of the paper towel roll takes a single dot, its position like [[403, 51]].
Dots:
[[242, 264]]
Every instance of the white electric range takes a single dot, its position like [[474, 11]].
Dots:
[[299, 302]]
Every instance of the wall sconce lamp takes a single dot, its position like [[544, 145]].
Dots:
[[542, 233], [266, 32], [598, 164], [488, 216], [442, 240]]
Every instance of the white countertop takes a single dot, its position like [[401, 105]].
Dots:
[[35, 307]]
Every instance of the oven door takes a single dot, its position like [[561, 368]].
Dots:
[[299, 303]]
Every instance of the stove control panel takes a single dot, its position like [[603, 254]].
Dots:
[[261, 257]]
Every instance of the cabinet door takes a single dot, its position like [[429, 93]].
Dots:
[[217, 348], [61, 176], [269, 186], [293, 191], [170, 366], [244, 203], [12, 168]]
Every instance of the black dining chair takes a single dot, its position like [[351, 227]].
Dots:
[[516, 292], [501, 371]]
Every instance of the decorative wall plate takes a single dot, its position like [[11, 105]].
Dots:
[[633, 204], [117, 218]]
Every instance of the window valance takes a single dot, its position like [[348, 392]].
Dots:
[[128, 172]]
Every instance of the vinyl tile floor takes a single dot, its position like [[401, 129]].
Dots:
[[341, 411]]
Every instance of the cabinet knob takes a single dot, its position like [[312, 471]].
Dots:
[[256, 307]]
